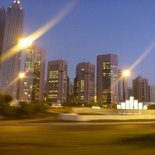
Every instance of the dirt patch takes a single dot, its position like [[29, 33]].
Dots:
[[144, 140]]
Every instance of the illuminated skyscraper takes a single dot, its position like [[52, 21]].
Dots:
[[57, 81], [140, 89], [10, 68], [152, 93], [85, 82], [107, 79], [33, 81]]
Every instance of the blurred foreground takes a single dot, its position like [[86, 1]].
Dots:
[[76, 138], [34, 129]]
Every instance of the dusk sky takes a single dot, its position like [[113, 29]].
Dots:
[[95, 27]]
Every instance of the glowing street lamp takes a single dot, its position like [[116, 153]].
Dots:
[[21, 75], [126, 73], [25, 43]]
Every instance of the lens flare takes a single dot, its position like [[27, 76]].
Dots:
[[20, 76], [146, 52], [38, 33], [138, 61]]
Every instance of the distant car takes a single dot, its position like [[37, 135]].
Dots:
[[96, 107]]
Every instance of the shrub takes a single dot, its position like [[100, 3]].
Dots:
[[31, 110], [5, 108], [4, 98]]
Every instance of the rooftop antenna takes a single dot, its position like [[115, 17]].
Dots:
[[16, 1]]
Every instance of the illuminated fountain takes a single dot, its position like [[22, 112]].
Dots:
[[132, 104]]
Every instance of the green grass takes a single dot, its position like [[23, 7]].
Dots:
[[76, 140]]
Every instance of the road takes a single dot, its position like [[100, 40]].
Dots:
[[84, 125]]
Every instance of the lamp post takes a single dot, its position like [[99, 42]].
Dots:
[[126, 74], [20, 79], [23, 43]]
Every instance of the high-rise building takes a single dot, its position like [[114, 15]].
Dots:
[[10, 67], [152, 93], [140, 89], [120, 86], [85, 82], [57, 81], [107, 79], [71, 88], [34, 70]]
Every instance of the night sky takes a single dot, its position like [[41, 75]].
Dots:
[[95, 27]]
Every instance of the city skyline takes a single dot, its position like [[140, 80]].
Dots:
[[92, 28]]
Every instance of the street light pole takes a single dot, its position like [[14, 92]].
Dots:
[[23, 43], [20, 79], [126, 74]]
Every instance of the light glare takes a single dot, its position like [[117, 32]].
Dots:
[[37, 34], [126, 73], [25, 43], [21, 75]]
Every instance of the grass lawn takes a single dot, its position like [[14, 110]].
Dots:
[[76, 140]]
